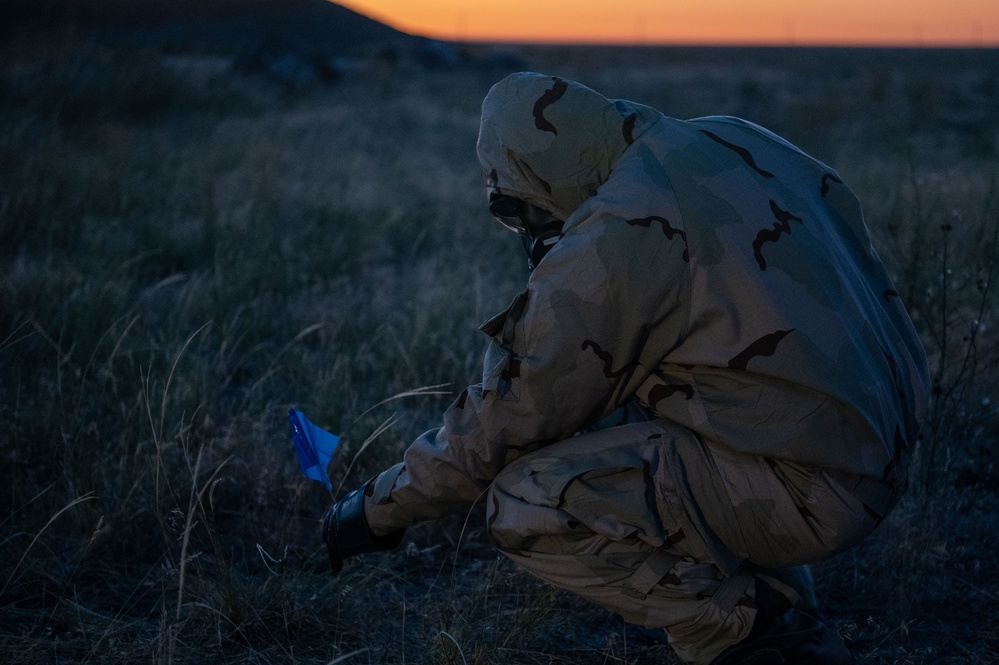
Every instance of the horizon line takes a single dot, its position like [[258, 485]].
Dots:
[[715, 44]]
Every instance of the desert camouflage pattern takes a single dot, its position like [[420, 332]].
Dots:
[[719, 284]]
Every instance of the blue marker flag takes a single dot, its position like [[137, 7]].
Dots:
[[314, 446]]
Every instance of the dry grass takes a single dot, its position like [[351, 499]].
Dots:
[[187, 253]]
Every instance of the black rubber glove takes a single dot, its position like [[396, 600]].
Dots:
[[346, 533]]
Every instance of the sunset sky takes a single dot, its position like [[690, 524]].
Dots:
[[804, 22]]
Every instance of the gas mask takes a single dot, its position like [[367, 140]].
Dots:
[[538, 229]]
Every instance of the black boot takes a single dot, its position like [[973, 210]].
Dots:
[[783, 634]]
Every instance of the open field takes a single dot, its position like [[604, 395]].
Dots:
[[186, 253]]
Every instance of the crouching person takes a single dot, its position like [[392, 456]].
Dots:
[[708, 383]]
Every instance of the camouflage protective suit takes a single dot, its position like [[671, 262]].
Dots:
[[721, 284]]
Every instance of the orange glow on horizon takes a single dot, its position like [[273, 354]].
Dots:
[[800, 22]]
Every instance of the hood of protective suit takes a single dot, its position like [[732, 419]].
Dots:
[[553, 142]]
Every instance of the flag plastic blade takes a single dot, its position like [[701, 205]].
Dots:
[[314, 447]]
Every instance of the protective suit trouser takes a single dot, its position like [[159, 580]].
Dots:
[[671, 532]]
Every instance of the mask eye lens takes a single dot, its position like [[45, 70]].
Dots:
[[504, 206], [506, 210]]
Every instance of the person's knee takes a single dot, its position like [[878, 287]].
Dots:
[[492, 513], [507, 512], [523, 514]]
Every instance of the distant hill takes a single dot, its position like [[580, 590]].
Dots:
[[231, 26]]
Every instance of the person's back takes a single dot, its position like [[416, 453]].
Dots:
[[788, 301]]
